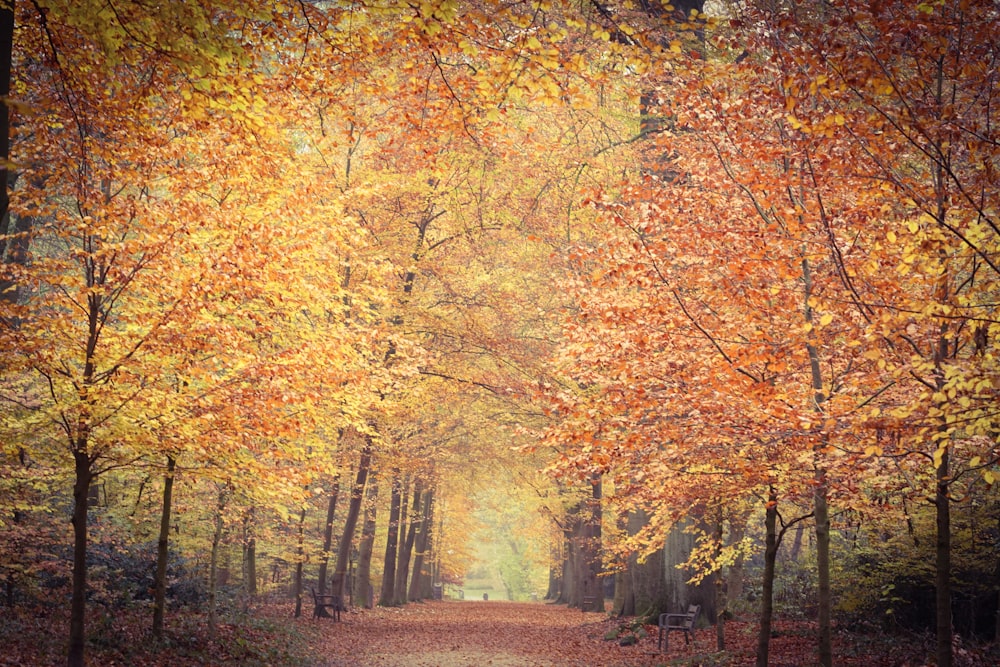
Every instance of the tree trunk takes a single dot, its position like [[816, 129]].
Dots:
[[720, 591], [388, 597], [6, 55], [213, 567], [81, 494], [943, 562], [331, 510], [823, 567], [160, 578], [353, 512], [591, 560], [734, 580], [366, 547], [648, 584], [406, 545], [300, 557], [820, 490], [250, 553], [554, 590], [424, 529], [767, 583]]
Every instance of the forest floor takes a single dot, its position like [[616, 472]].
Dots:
[[435, 634], [502, 634]]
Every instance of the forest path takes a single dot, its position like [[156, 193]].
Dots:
[[475, 633]]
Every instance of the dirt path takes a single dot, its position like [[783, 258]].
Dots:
[[460, 634]]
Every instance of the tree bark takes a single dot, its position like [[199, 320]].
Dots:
[[648, 582], [250, 553], [720, 591], [767, 581], [367, 545], [331, 510], [213, 566], [6, 56], [162, 553], [78, 601], [416, 581], [591, 560], [820, 489], [388, 597], [734, 580], [406, 545], [942, 504], [300, 557], [353, 511]]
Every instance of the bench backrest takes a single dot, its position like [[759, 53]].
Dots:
[[692, 614]]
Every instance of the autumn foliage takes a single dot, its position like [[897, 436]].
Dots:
[[298, 294]]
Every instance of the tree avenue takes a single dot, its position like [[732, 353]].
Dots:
[[669, 303]]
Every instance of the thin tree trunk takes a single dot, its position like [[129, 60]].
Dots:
[[820, 489], [720, 591], [406, 545], [250, 553], [353, 511], [388, 597], [300, 557], [6, 55], [943, 562], [331, 510], [160, 578], [367, 546], [767, 583], [78, 601], [213, 567], [734, 580]]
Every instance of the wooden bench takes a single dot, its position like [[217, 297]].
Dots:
[[589, 603], [323, 602], [682, 622]]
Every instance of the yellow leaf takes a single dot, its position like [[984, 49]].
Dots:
[[974, 461], [891, 236], [939, 455], [826, 319]]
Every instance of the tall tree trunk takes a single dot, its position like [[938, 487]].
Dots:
[[6, 56], [366, 547], [942, 500], [767, 582], [250, 553], [213, 566], [942, 504], [162, 553], [331, 510], [820, 489], [406, 545], [81, 494], [424, 529], [353, 511], [554, 590], [300, 558], [720, 591], [388, 596], [591, 560], [734, 579], [649, 590], [624, 601]]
